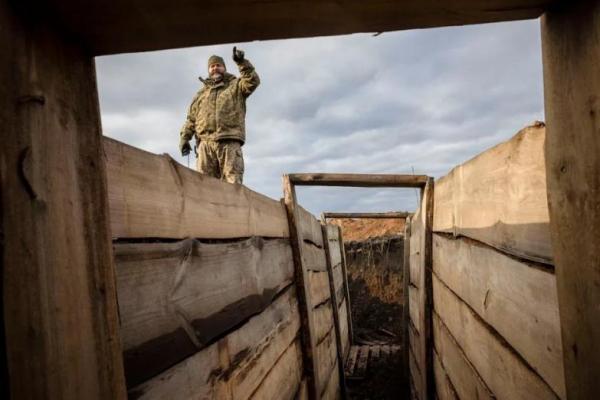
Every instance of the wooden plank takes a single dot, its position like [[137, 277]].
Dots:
[[359, 180], [60, 336], [351, 362], [571, 58], [465, 380], [152, 196], [318, 286], [443, 385], [413, 345], [302, 393], [499, 197], [346, 288], [416, 379], [324, 321], [283, 381], [175, 298], [310, 228], [332, 391], [416, 249], [413, 306], [303, 288], [326, 359], [330, 238], [515, 298], [426, 292], [344, 334], [361, 363], [375, 351], [235, 366], [495, 362], [385, 215], [313, 257]]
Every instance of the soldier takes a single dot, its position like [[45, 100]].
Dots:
[[217, 119]]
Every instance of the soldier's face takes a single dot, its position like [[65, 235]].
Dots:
[[216, 70]]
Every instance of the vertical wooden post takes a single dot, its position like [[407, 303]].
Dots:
[[571, 58], [59, 296], [405, 308], [309, 344], [346, 288], [334, 308], [428, 288]]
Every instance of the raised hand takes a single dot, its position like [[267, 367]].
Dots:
[[238, 55]]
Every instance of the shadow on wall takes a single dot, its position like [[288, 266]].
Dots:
[[375, 281]]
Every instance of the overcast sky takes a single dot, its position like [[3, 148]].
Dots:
[[422, 100]]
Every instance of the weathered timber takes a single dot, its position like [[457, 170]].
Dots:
[[310, 228], [465, 379], [384, 215], [302, 393], [443, 386], [494, 360], [413, 346], [416, 250], [318, 286], [236, 365], [571, 57], [351, 362], [332, 256], [153, 196], [305, 300], [516, 299], [406, 304], [416, 378], [277, 384], [326, 359], [158, 24], [499, 197], [175, 298], [344, 334], [359, 180], [361, 362], [427, 287], [413, 308], [332, 391], [313, 257], [346, 288], [60, 325], [324, 321]]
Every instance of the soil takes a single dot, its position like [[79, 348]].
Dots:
[[367, 228]]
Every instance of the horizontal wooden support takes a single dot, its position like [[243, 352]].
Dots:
[[153, 196], [463, 377], [237, 365], [130, 26], [391, 214], [500, 197], [359, 180], [516, 299], [495, 361], [175, 298]]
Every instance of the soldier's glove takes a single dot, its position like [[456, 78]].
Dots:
[[184, 146], [238, 55]]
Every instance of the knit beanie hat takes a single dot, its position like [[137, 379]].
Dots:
[[215, 60]]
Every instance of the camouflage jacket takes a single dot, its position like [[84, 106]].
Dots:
[[218, 110]]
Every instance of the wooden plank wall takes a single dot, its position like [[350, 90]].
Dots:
[[495, 320], [419, 326], [205, 278]]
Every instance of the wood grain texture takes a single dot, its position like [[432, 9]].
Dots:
[[500, 198], [571, 57], [60, 325], [236, 365], [359, 180], [313, 257], [465, 380], [326, 359], [153, 196], [318, 286], [443, 386], [494, 360], [310, 228], [175, 298], [406, 305], [346, 287], [344, 333], [516, 299]]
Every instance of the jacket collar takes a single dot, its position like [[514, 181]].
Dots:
[[211, 83]]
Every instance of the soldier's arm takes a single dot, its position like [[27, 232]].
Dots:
[[249, 79], [188, 129]]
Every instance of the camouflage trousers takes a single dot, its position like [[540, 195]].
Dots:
[[221, 159]]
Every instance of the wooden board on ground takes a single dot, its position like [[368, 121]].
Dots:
[[152, 196], [494, 361], [464, 378], [175, 298], [499, 197], [517, 299], [236, 365]]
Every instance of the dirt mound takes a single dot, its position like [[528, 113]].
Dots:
[[365, 228]]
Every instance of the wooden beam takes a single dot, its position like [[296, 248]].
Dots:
[[346, 286], [427, 289], [359, 180], [305, 301], [59, 296], [130, 25], [391, 214], [571, 58], [405, 306]]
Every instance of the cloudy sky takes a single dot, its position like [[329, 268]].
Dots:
[[420, 100]]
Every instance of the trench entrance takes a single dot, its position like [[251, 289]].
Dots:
[[374, 249]]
